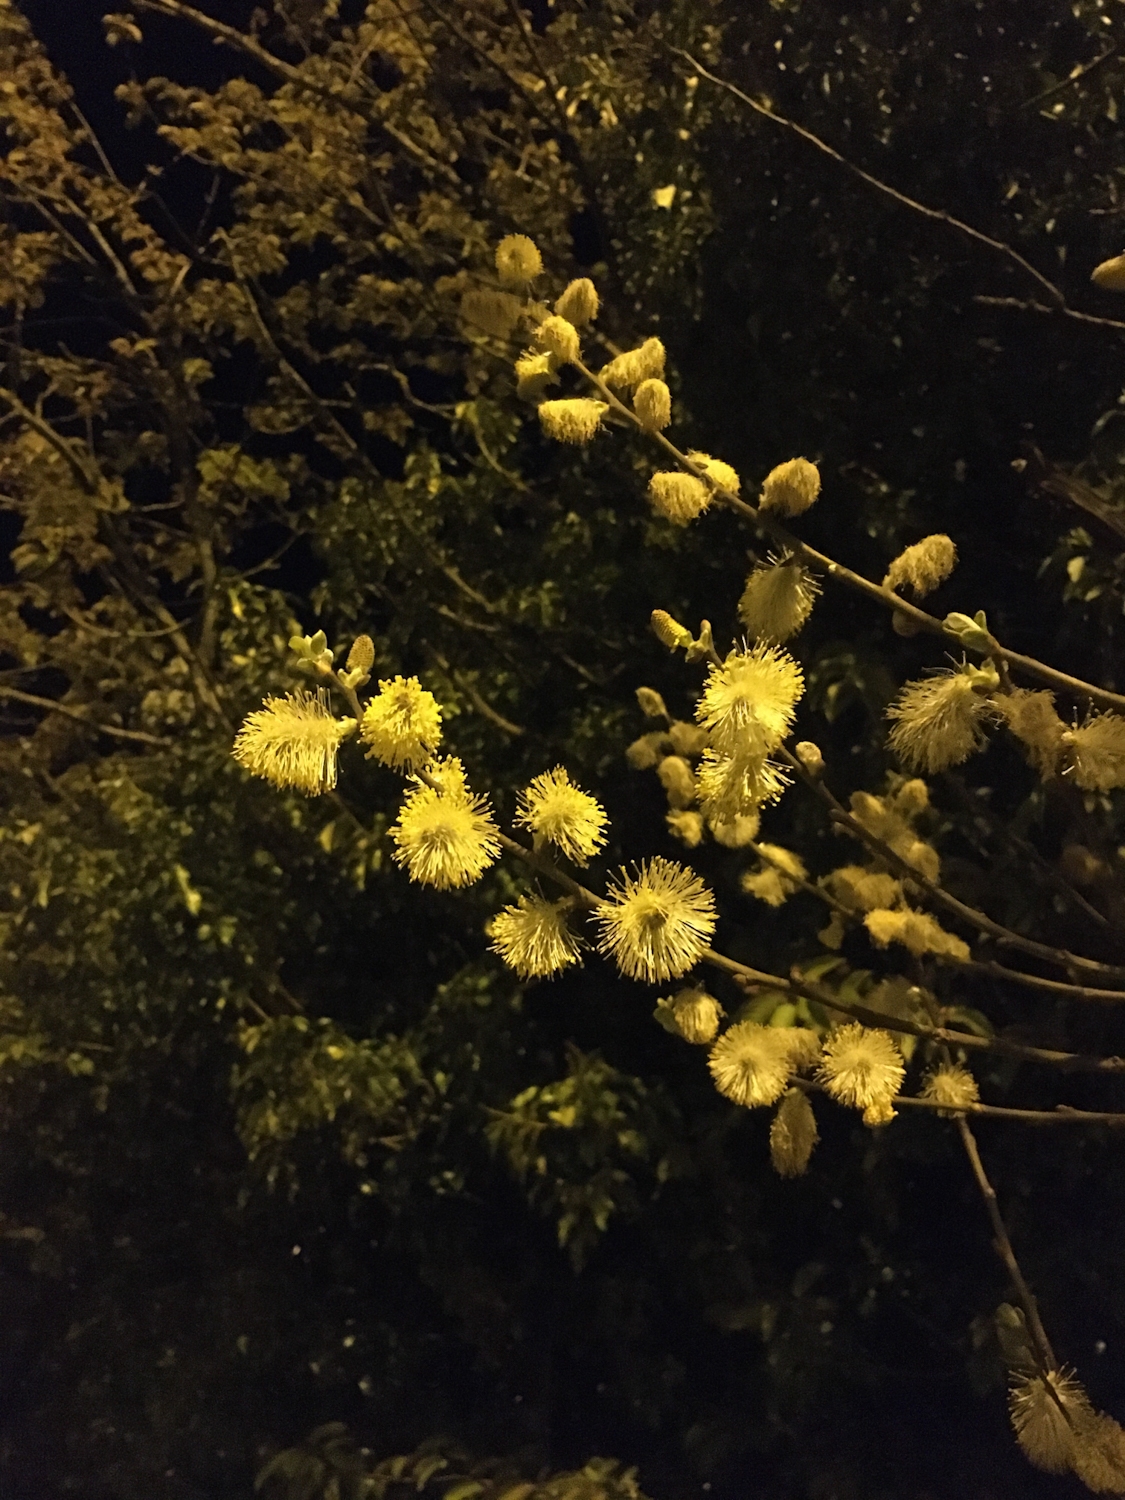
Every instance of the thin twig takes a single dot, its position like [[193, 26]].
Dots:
[[73, 713]]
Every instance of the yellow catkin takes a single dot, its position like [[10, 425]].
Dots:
[[951, 1086], [777, 877], [692, 1014], [737, 832], [752, 1064], [401, 726], [293, 742], [652, 402], [576, 420], [793, 1134], [1030, 715], [777, 600], [937, 722], [862, 1067], [791, 487], [1095, 753], [629, 369], [678, 497], [669, 632], [532, 937], [687, 826], [677, 780], [688, 739], [657, 923], [534, 373], [560, 813], [651, 704], [721, 474], [734, 786], [1046, 1421], [558, 337], [645, 752], [916, 931], [445, 836], [517, 260], [924, 565], [749, 700], [579, 302], [491, 311]]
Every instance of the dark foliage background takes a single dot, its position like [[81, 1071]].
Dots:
[[245, 1068]]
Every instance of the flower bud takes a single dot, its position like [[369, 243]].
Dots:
[[651, 703], [719, 473], [645, 363], [924, 565], [652, 402], [573, 421], [677, 780], [362, 655], [534, 373], [678, 497], [579, 303], [791, 488], [810, 757], [669, 632], [517, 260]]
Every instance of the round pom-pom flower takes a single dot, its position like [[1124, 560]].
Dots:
[[293, 742], [445, 836], [517, 260], [579, 302], [560, 813], [862, 1067], [951, 1086], [731, 787], [657, 923], [532, 937], [692, 1014], [652, 402], [749, 701], [938, 721], [752, 1064], [791, 487], [575, 420], [402, 723], [678, 497]]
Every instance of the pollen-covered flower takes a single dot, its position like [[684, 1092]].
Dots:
[[791, 487], [1048, 1413], [915, 930], [402, 723], [692, 1014], [735, 786], [862, 1066], [1096, 753], [749, 701], [560, 813], [721, 474], [678, 497], [752, 1064], [532, 937], [293, 742], [924, 565], [951, 1086], [579, 302], [629, 369], [575, 420], [777, 600], [657, 923], [652, 402], [444, 835], [517, 260], [938, 721], [777, 877], [534, 373], [793, 1134], [558, 337], [1030, 715]]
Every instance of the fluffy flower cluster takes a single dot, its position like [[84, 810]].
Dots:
[[951, 1086], [1059, 1430], [293, 742], [1096, 753], [401, 725], [777, 600], [793, 1134], [445, 836], [938, 721], [863, 1068], [915, 930], [923, 566], [628, 370], [753, 1064], [657, 923], [749, 701], [777, 877], [575, 420], [791, 487], [518, 260], [731, 787], [560, 813], [678, 497], [532, 937], [693, 1014]]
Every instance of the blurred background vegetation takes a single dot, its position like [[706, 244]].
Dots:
[[246, 1070]]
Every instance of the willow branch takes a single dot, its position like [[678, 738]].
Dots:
[[73, 713]]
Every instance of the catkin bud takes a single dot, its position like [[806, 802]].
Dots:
[[678, 497], [810, 757], [651, 703], [645, 363], [652, 402], [677, 780], [793, 1134], [579, 303], [667, 631], [924, 565], [719, 473], [558, 337], [692, 1014], [688, 739], [573, 421], [644, 753], [491, 311], [517, 260], [685, 825], [362, 655], [791, 488], [534, 373]]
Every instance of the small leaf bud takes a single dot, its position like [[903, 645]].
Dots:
[[791, 487], [810, 757], [651, 703], [558, 337], [669, 632], [652, 402], [517, 260], [579, 303]]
